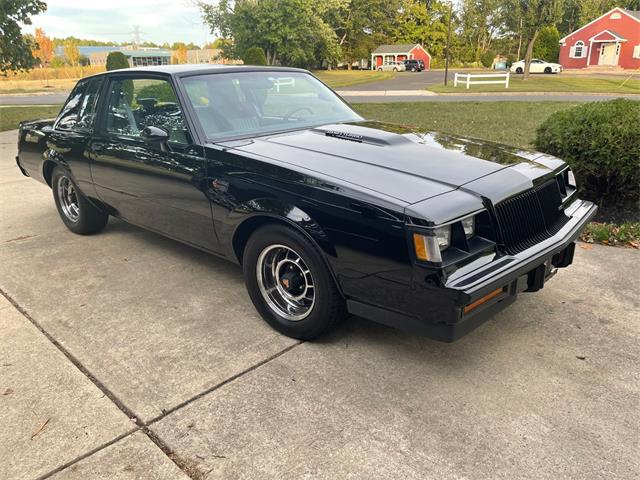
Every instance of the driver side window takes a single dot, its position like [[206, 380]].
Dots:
[[135, 103]]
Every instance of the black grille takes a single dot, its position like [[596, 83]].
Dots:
[[530, 217]]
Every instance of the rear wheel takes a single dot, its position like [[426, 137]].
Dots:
[[519, 70], [76, 212], [380, 69], [290, 284], [395, 69]]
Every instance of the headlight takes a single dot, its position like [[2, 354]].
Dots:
[[443, 234], [469, 226], [571, 179]]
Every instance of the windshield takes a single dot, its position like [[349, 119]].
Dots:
[[243, 104]]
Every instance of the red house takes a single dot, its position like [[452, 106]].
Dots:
[[398, 53], [612, 40]]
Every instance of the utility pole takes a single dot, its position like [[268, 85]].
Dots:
[[446, 57]]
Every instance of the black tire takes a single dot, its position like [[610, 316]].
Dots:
[[413, 69], [395, 69], [547, 70], [328, 306], [380, 70], [519, 70], [80, 216]]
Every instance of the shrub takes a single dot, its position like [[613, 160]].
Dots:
[[487, 58], [116, 60], [601, 143], [254, 56], [547, 47], [161, 91]]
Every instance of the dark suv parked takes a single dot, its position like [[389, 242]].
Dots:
[[414, 65]]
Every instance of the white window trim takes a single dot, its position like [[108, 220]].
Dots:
[[583, 51], [636, 51]]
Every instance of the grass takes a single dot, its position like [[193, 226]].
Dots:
[[11, 116], [625, 234], [346, 78], [512, 123], [553, 83]]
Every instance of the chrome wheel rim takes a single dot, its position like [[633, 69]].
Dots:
[[68, 199], [285, 282]]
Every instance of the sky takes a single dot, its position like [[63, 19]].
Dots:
[[113, 20]]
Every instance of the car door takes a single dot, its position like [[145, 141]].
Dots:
[[156, 185], [537, 66]]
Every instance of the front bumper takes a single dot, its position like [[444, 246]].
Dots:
[[443, 312]]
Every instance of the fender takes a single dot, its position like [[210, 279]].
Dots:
[[235, 229]]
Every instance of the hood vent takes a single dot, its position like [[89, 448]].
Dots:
[[352, 137]]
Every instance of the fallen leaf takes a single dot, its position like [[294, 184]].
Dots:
[[581, 357], [40, 428], [586, 246], [8, 391]]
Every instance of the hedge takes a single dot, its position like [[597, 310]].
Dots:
[[601, 143]]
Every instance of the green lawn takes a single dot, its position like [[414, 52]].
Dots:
[[513, 123], [346, 78], [553, 83], [11, 116]]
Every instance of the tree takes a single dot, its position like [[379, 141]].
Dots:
[[117, 60], [15, 49], [43, 50], [179, 54], [528, 17], [480, 24], [417, 22], [71, 53], [290, 32], [548, 45], [254, 56]]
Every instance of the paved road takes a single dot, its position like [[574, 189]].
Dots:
[[119, 348], [44, 99]]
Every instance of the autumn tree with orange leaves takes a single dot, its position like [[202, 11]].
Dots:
[[43, 50]]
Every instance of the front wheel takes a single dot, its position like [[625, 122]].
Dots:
[[519, 70], [395, 69], [290, 284], [547, 70], [76, 212], [379, 69]]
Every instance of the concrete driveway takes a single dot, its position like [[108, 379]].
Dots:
[[126, 356]]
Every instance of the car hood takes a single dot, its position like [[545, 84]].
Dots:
[[399, 162]]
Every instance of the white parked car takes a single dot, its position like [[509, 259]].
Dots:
[[392, 67], [537, 66]]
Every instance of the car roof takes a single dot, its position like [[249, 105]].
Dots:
[[200, 69]]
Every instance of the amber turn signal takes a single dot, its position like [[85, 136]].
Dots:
[[420, 245], [483, 300]]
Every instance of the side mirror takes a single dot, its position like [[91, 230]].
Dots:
[[156, 135]]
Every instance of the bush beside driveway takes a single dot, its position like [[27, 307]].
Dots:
[[167, 335]]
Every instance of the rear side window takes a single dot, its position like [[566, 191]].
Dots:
[[135, 103], [78, 114]]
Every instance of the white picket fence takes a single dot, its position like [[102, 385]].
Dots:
[[469, 79], [284, 82]]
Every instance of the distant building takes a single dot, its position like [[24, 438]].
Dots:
[[208, 55], [398, 53], [610, 41], [137, 58]]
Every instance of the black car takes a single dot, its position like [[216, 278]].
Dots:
[[414, 65], [327, 212]]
